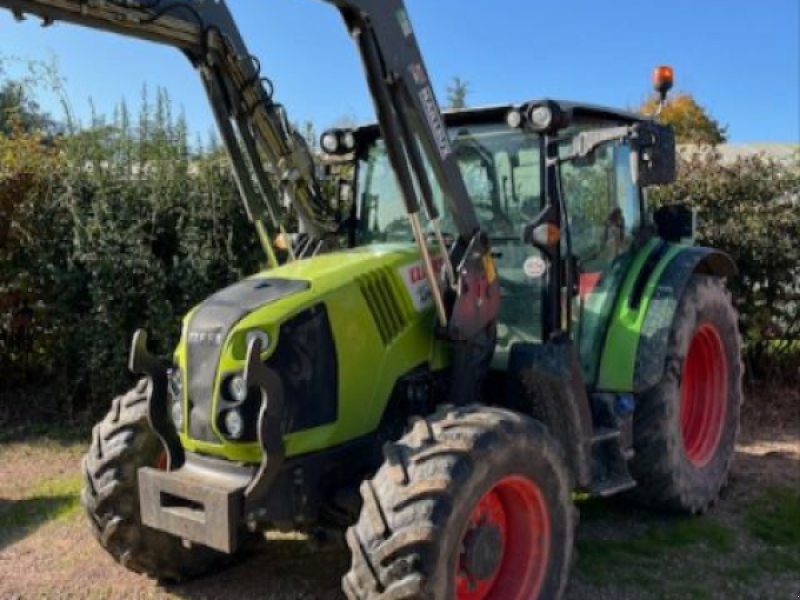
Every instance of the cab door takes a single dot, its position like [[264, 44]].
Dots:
[[604, 212]]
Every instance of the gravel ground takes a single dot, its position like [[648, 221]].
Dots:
[[47, 552]]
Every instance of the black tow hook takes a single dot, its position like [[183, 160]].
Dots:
[[270, 436], [142, 363]]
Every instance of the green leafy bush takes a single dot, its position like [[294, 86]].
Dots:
[[112, 229]]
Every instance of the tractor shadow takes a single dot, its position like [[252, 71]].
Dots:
[[287, 568], [758, 465], [762, 464], [621, 541], [20, 519]]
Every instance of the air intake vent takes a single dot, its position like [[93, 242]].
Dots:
[[385, 300]]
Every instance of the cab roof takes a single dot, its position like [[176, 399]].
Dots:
[[492, 114]]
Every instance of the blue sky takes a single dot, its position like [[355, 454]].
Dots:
[[739, 57]]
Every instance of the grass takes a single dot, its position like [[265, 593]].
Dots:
[[636, 560], [754, 550], [774, 517], [767, 532], [63, 434], [631, 558], [49, 501], [775, 558]]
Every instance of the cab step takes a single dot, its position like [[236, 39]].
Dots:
[[605, 434], [611, 487]]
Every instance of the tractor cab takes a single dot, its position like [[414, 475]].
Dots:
[[596, 193]]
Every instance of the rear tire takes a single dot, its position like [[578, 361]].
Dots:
[[122, 443], [472, 504], [685, 428]]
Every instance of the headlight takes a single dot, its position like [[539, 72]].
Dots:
[[175, 384], [261, 336], [514, 119], [547, 117], [349, 141], [176, 397], [330, 142], [234, 424], [177, 414], [238, 389], [541, 117]]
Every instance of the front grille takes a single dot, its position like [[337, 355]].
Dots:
[[383, 295], [306, 362], [209, 327]]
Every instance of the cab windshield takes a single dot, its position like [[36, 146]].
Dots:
[[500, 166]]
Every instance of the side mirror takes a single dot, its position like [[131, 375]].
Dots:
[[676, 223], [655, 154]]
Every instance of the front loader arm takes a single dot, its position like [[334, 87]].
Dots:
[[414, 130], [269, 159]]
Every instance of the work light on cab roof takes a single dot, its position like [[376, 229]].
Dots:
[[338, 141], [538, 117]]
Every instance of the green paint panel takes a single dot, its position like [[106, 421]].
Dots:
[[369, 363], [619, 355]]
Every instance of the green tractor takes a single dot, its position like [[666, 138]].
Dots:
[[485, 321]]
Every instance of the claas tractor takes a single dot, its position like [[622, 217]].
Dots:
[[482, 320]]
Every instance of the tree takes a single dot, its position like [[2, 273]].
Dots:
[[346, 121], [309, 132], [457, 93], [692, 122], [17, 107]]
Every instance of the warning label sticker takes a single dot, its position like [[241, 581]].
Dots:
[[417, 284]]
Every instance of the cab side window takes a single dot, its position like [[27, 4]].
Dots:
[[603, 206], [604, 209]]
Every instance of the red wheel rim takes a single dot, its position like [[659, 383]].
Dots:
[[513, 517], [161, 463], [704, 395]]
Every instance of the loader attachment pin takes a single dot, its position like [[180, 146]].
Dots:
[[270, 436], [142, 362]]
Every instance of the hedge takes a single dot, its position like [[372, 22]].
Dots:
[[100, 234], [121, 227]]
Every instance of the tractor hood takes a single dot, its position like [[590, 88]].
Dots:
[[324, 319]]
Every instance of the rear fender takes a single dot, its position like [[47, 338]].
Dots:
[[651, 355], [634, 355]]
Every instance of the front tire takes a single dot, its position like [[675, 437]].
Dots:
[[472, 504], [122, 443], [685, 428]]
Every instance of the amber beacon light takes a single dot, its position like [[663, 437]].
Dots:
[[663, 80]]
